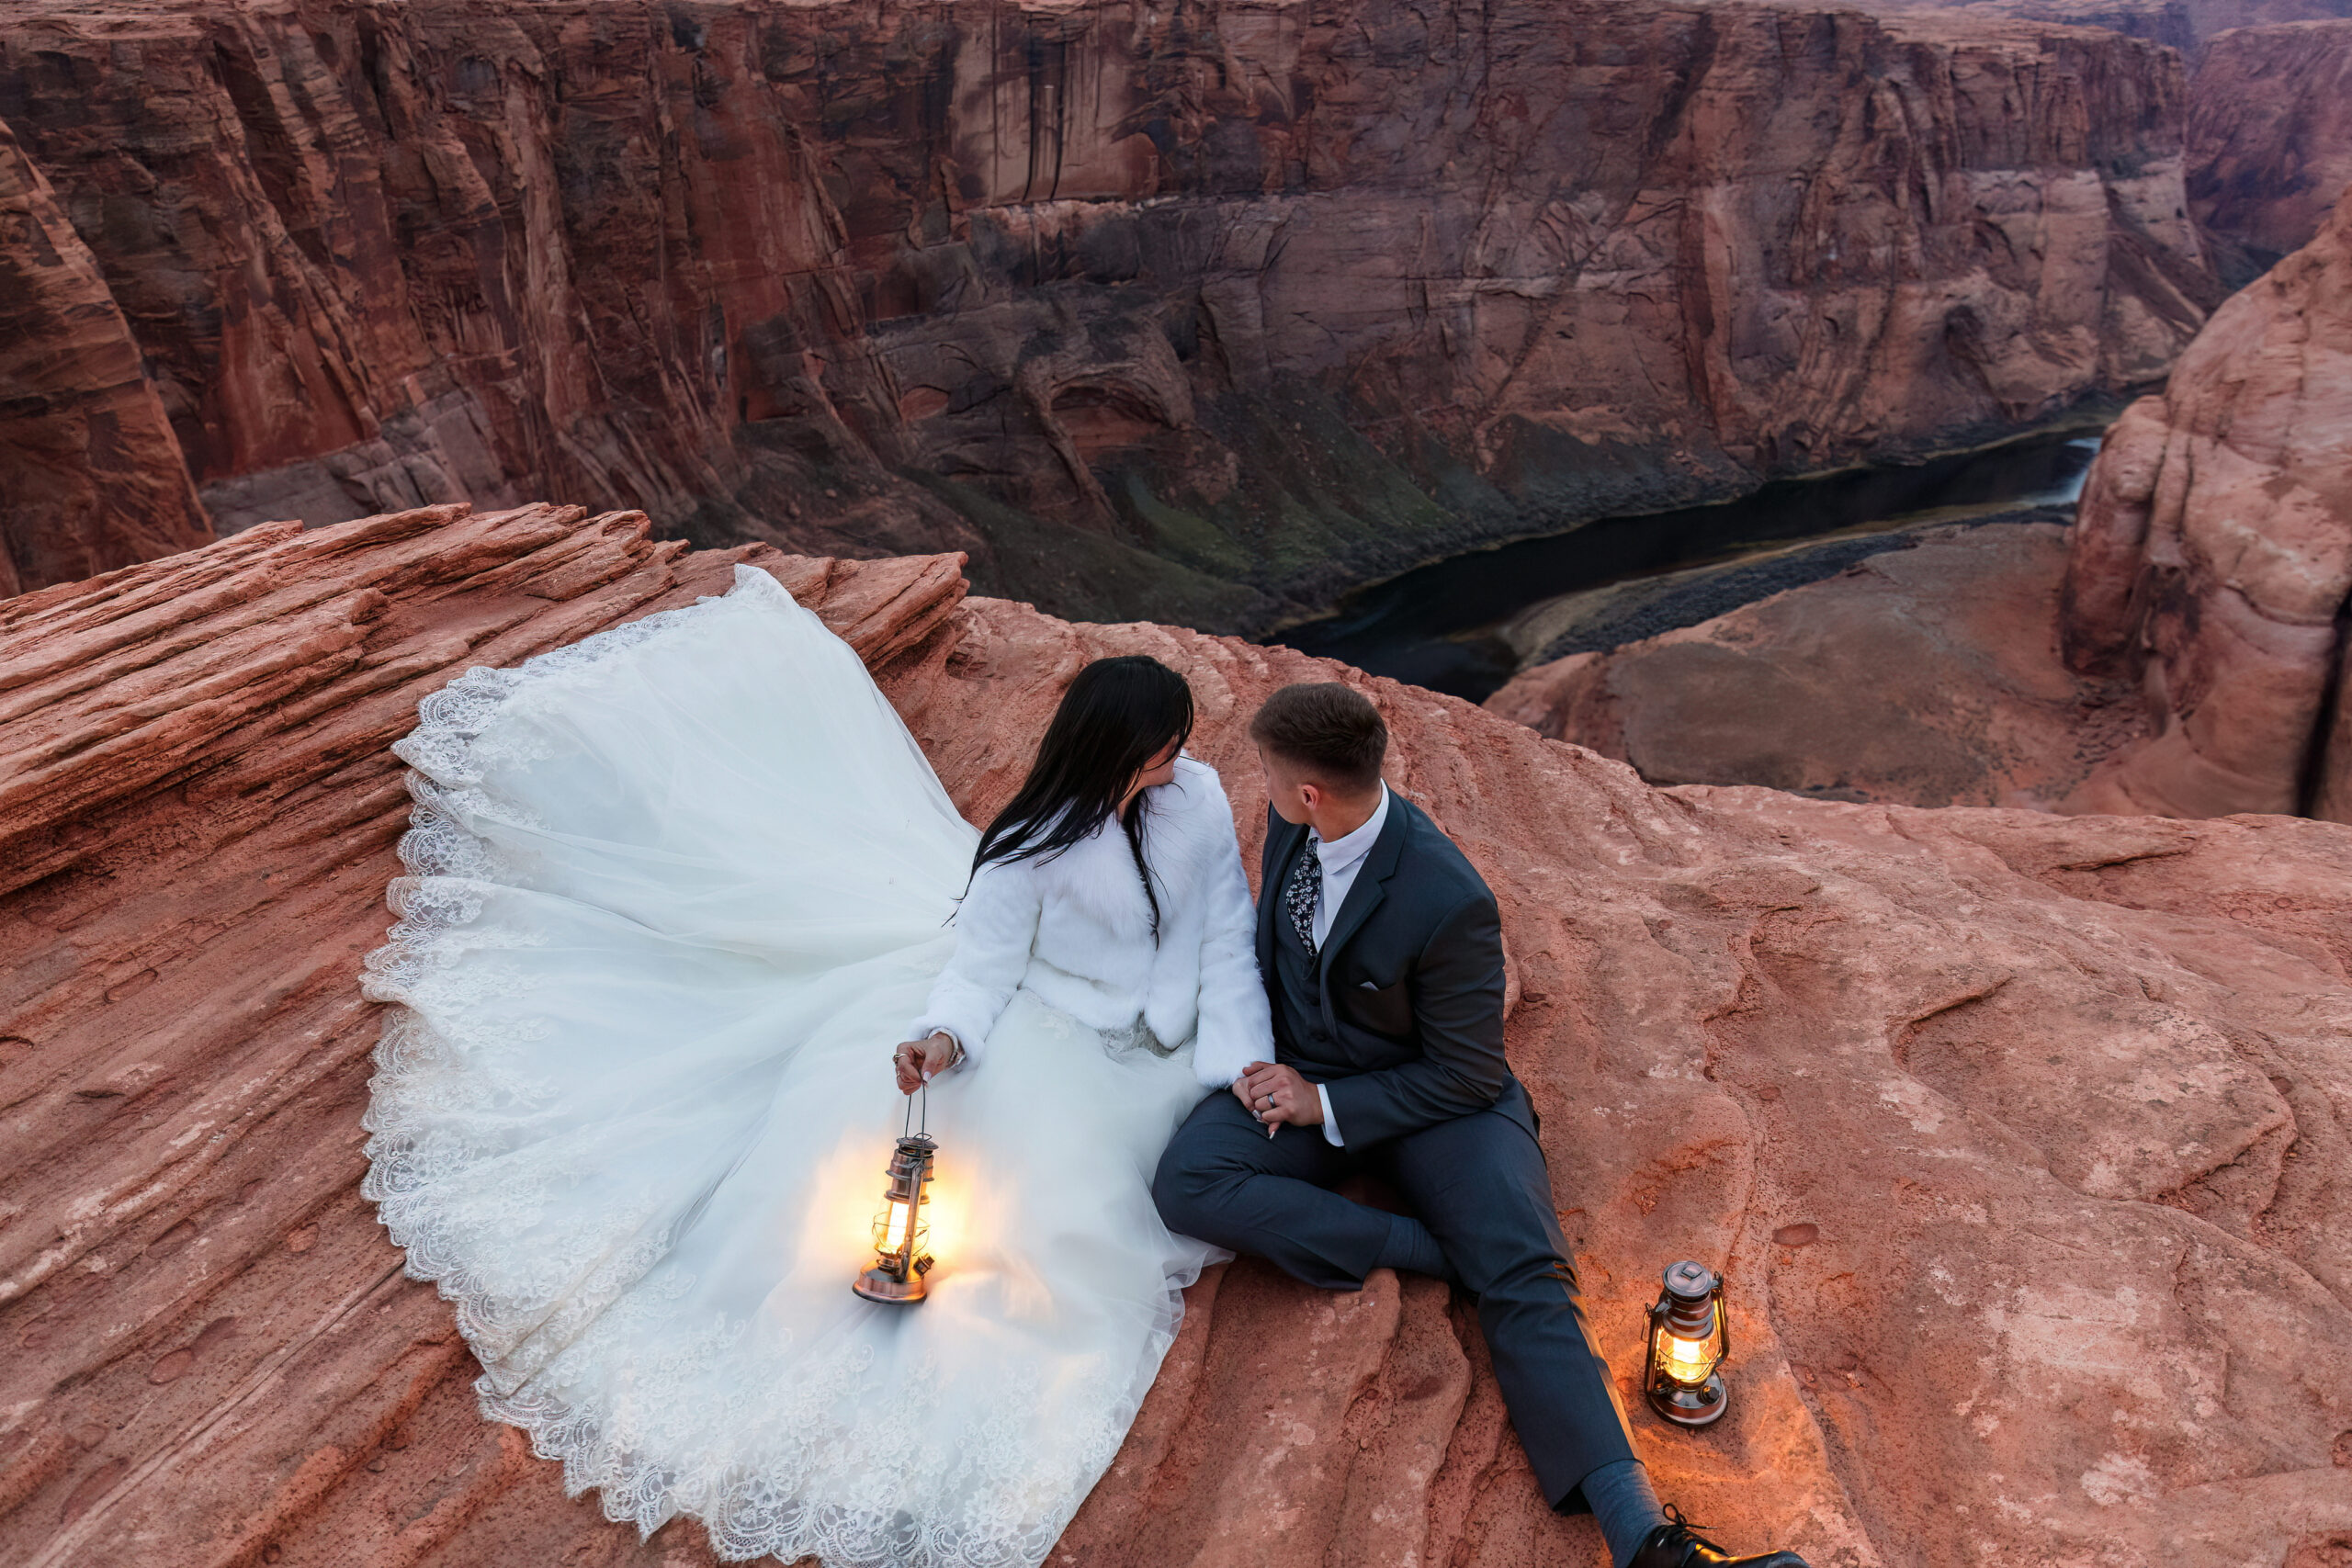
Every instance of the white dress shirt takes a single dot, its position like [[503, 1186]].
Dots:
[[1342, 857]]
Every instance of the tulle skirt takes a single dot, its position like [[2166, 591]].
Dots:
[[674, 893]]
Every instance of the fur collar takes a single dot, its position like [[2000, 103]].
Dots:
[[1186, 823]]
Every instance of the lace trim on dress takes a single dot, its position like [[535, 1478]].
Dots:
[[450, 1182]]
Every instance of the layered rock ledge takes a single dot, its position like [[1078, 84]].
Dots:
[[2025, 1141]]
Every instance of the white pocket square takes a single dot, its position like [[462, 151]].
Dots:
[[1366, 986]]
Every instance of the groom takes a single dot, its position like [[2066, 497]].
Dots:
[[1382, 950]]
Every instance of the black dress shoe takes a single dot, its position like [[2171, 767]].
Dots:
[[1678, 1544]]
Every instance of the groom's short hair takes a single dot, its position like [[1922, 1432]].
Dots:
[[1330, 731]]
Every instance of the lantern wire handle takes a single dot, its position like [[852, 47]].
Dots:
[[924, 1130]]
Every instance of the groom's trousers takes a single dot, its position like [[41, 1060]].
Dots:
[[1479, 1182]]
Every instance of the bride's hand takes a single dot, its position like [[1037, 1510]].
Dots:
[[918, 1061]]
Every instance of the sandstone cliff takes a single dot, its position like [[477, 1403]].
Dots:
[[2270, 134], [2182, 652], [1207, 311], [2211, 559], [2182, 24], [90, 475], [2024, 1139]]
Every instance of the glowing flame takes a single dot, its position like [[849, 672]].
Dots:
[[1689, 1361], [894, 1234]]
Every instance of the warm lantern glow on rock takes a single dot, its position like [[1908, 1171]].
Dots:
[[1689, 1335]]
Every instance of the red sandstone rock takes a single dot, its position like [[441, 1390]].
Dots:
[[1185, 311], [2180, 22], [2023, 1139], [2270, 133], [2212, 556], [1929, 675], [90, 476], [2200, 611]]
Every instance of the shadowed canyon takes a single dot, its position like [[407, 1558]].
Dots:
[[2180, 651], [1203, 313]]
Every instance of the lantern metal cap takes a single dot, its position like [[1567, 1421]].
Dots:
[[1690, 1281]]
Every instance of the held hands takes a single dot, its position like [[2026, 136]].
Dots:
[[920, 1061], [1277, 1094]]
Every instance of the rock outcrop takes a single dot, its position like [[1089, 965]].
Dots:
[[2211, 559], [1929, 676], [1202, 312], [2024, 1139], [2270, 134]]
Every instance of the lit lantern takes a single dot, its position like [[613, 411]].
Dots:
[[1690, 1336], [902, 1230]]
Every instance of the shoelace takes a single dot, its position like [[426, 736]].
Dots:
[[1691, 1529]]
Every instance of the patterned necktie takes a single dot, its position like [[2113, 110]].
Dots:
[[1304, 893]]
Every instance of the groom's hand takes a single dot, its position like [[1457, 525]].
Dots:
[[1274, 1094]]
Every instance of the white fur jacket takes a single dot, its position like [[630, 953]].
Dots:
[[1074, 928]]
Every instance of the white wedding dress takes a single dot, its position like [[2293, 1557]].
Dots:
[[675, 892]]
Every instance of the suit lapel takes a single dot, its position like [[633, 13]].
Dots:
[[1379, 865], [1281, 842]]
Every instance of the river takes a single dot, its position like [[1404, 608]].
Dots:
[[1459, 625]]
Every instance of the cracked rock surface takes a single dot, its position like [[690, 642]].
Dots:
[[2025, 1141]]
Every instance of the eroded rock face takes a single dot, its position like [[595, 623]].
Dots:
[[1202, 312], [2180, 22], [90, 475], [2270, 134], [2211, 557], [2023, 1138]]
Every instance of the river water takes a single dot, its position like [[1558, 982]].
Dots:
[[1450, 626]]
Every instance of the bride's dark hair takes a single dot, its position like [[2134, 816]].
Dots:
[[1116, 717]]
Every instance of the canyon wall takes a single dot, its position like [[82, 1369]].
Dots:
[[2270, 134], [2024, 1140], [2181, 651], [2182, 24], [90, 473], [2211, 557], [1209, 310]]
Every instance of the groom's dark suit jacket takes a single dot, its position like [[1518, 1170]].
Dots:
[[1399, 1017], [1408, 984]]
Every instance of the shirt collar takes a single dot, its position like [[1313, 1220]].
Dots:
[[1338, 854]]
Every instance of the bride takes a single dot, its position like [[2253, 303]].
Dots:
[[687, 913]]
